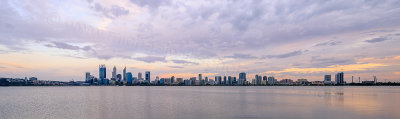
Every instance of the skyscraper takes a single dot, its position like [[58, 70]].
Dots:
[[172, 79], [327, 78], [102, 72], [114, 73], [148, 76], [87, 77], [140, 76], [271, 80], [225, 82], [200, 77], [124, 73], [339, 78], [129, 77], [242, 76]]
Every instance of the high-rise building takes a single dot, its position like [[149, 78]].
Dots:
[[258, 80], [271, 80], [114, 73], [102, 72], [124, 73], [200, 77], [148, 76], [140, 76], [225, 82], [242, 76], [172, 79], [87, 77], [230, 80], [206, 79], [265, 78], [339, 78], [179, 80], [119, 76], [129, 77], [327, 78]]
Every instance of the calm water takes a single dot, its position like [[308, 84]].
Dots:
[[200, 102]]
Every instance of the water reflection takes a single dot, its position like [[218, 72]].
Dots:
[[200, 102]]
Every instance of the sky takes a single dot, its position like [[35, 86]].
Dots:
[[63, 39]]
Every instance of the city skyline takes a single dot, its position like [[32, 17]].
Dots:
[[239, 79], [61, 40]]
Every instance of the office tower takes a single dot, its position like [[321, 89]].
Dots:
[[179, 80], [234, 80], [258, 80], [206, 78], [172, 79], [352, 77], [359, 79], [129, 77], [102, 72], [140, 76], [193, 81], [119, 76], [147, 76], [200, 77], [339, 78], [124, 73], [229, 80], [114, 73], [271, 80], [375, 79], [242, 76], [225, 80], [87, 77], [216, 80], [327, 78], [265, 78]]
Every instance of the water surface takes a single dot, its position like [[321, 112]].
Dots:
[[200, 102]]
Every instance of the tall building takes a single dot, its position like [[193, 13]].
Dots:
[[230, 80], [327, 78], [114, 73], [172, 79], [129, 77], [148, 76], [271, 80], [225, 82], [102, 72], [339, 78], [124, 73], [242, 76], [258, 80], [119, 76], [140, 76], [200, 77], [87, 77]]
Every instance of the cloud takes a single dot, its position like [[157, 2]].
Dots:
[[66, 46], [328, 43], [151, 59], [150, 3], [113, 12], [332, 68], [285, 55], [241, 56], [176, 67], [318, 61], [184, 62], [375, 40]]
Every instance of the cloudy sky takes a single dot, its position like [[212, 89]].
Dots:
[[63, 39]]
